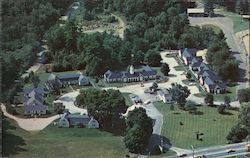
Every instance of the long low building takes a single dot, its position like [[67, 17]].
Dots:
[[66, 80], [124, 76], [207, 78]]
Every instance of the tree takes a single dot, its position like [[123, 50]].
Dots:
[[139, 130], [209, 7], [188, 75], [179, 93], [105, 106], [190, 106], [153, 58], [221, 109], [244, 95], [165, 69], [154, 87], [227, 100], [34, 79], [209, 99], [237, 134], [244, 116]]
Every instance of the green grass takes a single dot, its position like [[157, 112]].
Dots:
[[216, 29], [164, 155], [183, 136], [63, 142], [128, 101], [236, 18]]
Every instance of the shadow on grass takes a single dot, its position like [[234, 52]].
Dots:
[[227, 113], [12, 144]]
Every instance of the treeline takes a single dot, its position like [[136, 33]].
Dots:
[[237, 6], [156, 25], [23, 25], [220, 59]]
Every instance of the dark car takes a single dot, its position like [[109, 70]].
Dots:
[[183, 155]]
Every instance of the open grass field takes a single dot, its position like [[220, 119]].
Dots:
[[216, 29], [214, 126], [61, 142]]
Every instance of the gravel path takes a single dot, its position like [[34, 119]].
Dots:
[[30, 124]]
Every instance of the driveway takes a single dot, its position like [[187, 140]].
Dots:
[[68, 101], [30, 124]]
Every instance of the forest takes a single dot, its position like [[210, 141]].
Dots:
[[23, 25], [155, 25]]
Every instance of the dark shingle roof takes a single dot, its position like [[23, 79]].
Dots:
[[69, 76], [147, 71], [76, 119]]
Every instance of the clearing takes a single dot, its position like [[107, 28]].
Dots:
[[214, 126]]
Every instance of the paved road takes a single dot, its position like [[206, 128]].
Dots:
[[226, 25], [219, 151]]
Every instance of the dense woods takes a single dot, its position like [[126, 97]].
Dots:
[[154, 25], [23, 25]]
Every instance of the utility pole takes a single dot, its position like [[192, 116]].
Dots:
[[193, 149]]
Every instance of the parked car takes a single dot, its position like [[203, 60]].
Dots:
[[230, 151], [147, 102]]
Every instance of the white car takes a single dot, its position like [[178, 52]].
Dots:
[[147, 102]]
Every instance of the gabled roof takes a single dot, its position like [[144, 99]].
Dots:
[[82, 77], [69, 76], [189, 52], [147, 71], [38, 90]]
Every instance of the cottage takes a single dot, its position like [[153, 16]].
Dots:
[[69, 120], [187, 55], [165, 96], [66, 80], [33, 101], [146, 74], [207, 78], [212, 87]]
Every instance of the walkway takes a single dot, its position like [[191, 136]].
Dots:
[[30, 124], [121, 27]]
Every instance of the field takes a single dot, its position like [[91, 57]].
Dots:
[[61, 142], [214, 126]]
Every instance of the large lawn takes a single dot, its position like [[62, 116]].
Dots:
[[214, 126], [62, 142]]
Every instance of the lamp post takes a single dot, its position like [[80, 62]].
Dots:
[[193, 149]]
